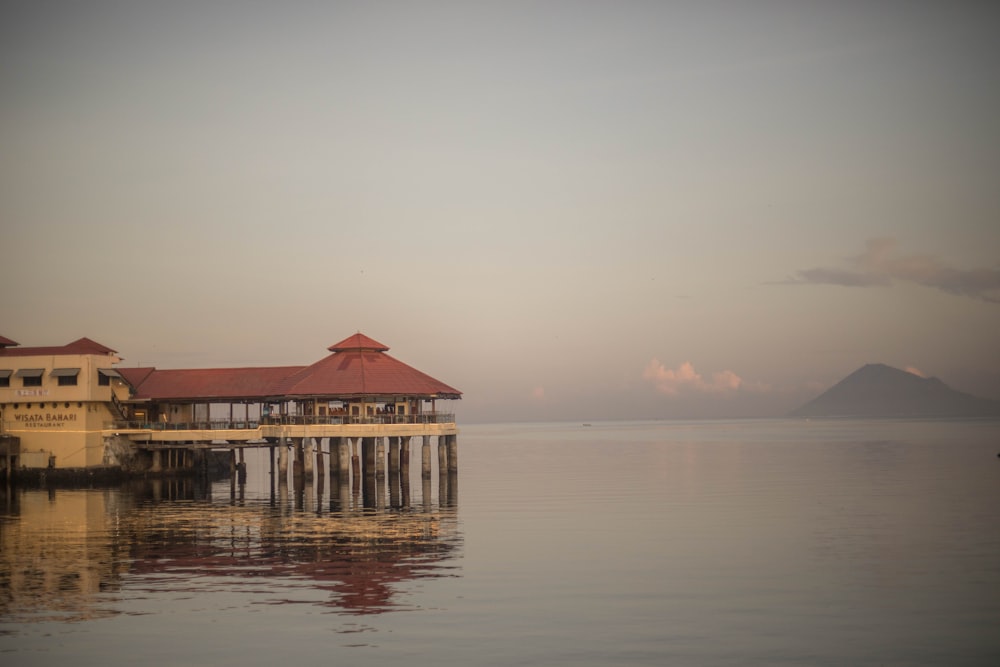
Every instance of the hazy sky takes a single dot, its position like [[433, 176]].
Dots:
[[568, 210]]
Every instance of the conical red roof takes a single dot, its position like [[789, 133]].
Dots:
[[359, 366], [358, 341]]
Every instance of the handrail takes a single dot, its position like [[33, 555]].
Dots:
[[296, 420]]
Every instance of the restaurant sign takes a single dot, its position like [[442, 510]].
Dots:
[[45, 420]]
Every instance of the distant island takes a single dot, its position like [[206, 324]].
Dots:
[[877, 390]]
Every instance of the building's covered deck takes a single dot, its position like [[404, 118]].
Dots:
[[355, 397], [358, 389]]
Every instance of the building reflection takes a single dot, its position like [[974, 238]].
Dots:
[[71, 554], [50, 565]]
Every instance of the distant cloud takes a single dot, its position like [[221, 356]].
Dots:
[[880, 265], [673, 381], [913, 370]]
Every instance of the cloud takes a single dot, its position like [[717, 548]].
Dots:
[[881, 265], [673, 381], [913, 370]]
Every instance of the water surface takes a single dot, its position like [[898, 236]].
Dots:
[[634, 543]]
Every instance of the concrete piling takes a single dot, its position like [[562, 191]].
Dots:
[[425, 458]]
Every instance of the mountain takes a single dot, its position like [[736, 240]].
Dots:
[[877, 390]]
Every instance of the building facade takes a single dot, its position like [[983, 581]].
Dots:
[[56, 402], [69, 407]]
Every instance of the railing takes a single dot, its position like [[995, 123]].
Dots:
[[119, 408], [297, 420]]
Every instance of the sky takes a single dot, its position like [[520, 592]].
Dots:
[[567, 210]]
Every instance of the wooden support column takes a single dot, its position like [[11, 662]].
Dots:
[[298, 470], [283, 460], [394, 491], [425, 458], [452, 453], [404, 469], [404, 452], [442, 454], [344, 456], [380, 457], [352, 444], [368, 456], [307, 457], [334, 457], [157, 460], [394, 456], [319, 457]]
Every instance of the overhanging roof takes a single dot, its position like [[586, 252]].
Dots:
[[358, 367], [205, 383], [79, 346]]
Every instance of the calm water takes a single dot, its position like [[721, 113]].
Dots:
[[639, 543]]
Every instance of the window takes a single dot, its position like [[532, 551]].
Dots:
[[5, 378], [104, 376], [31, 377], [66, 376]]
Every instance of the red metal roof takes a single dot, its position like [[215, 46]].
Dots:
[[7, 342], [358, 341], [79, 346], [364, 373], [357, 367], [206, 383]]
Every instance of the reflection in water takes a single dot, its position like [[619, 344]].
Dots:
[[72, 554]]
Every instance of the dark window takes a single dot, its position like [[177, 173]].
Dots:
[[4, 381], [31, 377], [103, 380], [67, 380]]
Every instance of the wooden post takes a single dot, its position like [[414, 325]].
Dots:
[[425, 458], [380, 457], [319, 457], [355, 461], [404, 469], [368, 456], [307, 457], [282, 460], [334, 458], [344, 455], [452, 453], [394, 456], [442, 454], [394, 495], [404, 452], [157, 461], [298, 469]]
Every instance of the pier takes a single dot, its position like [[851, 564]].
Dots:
[[356, 412]]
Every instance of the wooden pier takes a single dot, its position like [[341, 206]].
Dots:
[[356, 412]]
